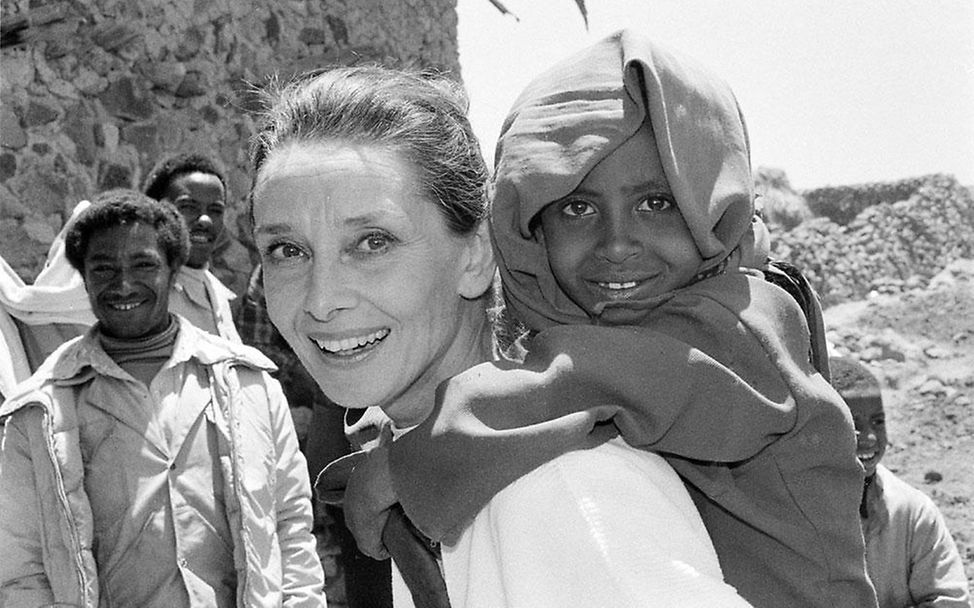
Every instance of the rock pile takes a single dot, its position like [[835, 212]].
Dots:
[[888, 247]]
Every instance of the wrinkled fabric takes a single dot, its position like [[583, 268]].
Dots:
[[718, 377], [200, 297], [58, 293], [719, 382], [630, 538], [13, 366], [47, 534], [578, 112], [912, 558]]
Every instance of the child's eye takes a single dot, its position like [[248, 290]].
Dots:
[[577, 209], [375, 242], [280, 252], [654, 203]]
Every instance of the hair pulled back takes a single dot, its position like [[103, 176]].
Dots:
[[420, 115]]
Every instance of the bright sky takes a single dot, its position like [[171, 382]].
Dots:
[[834, 92]]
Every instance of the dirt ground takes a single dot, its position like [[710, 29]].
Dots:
[[920, 343]]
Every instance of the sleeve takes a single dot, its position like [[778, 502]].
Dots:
[[23, 580], [937, 578], [303, 578]]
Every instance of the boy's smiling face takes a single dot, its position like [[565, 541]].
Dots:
[[869, 418], [200, 199], [619, 237]]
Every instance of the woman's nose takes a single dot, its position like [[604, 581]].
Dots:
[[332, 290], [618, 242]]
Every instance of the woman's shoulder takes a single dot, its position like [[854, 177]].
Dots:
[[612, 471]]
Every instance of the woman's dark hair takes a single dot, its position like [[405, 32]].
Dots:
[[124, 206], [165, 171], [420, 115]]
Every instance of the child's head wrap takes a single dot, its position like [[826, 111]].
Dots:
[[575, 114]]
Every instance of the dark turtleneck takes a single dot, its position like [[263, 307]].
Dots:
[[142, 357]]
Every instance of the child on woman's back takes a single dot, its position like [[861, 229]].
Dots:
[[622, 209]]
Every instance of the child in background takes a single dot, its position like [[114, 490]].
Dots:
[[622, 211], [911, 557]]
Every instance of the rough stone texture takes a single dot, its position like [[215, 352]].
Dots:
[[842, 204], [93, 93], [888, 247]]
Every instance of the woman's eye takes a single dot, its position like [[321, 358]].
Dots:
[[577, 209], [374, 242], [283, 251], [655, 203]]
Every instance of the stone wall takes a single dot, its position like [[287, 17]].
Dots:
[[93, 92]]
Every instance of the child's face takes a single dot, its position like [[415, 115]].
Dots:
[[619, 236], [870, 421]]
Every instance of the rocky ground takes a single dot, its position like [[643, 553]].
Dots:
[[920, 343]]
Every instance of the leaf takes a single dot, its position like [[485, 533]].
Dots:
[[503, 9], [581, 8]]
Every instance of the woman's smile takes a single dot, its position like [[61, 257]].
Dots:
[[353, 346]]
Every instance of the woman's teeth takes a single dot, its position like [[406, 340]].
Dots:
[[349, 344], [866, 455]]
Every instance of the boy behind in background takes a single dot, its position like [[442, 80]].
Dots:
[[911, 557]]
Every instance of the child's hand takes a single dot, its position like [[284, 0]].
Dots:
[[368, 498]]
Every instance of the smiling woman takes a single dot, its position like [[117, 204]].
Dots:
[[363, 276]]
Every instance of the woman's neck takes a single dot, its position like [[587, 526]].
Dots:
[[471, 345]]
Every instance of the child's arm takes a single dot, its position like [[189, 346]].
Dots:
[[711, 379]]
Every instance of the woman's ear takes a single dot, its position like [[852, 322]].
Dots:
[[478, 264]]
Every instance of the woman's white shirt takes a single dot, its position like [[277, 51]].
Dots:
[[608, 526]]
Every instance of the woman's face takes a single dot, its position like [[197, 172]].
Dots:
[[361, 275]]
